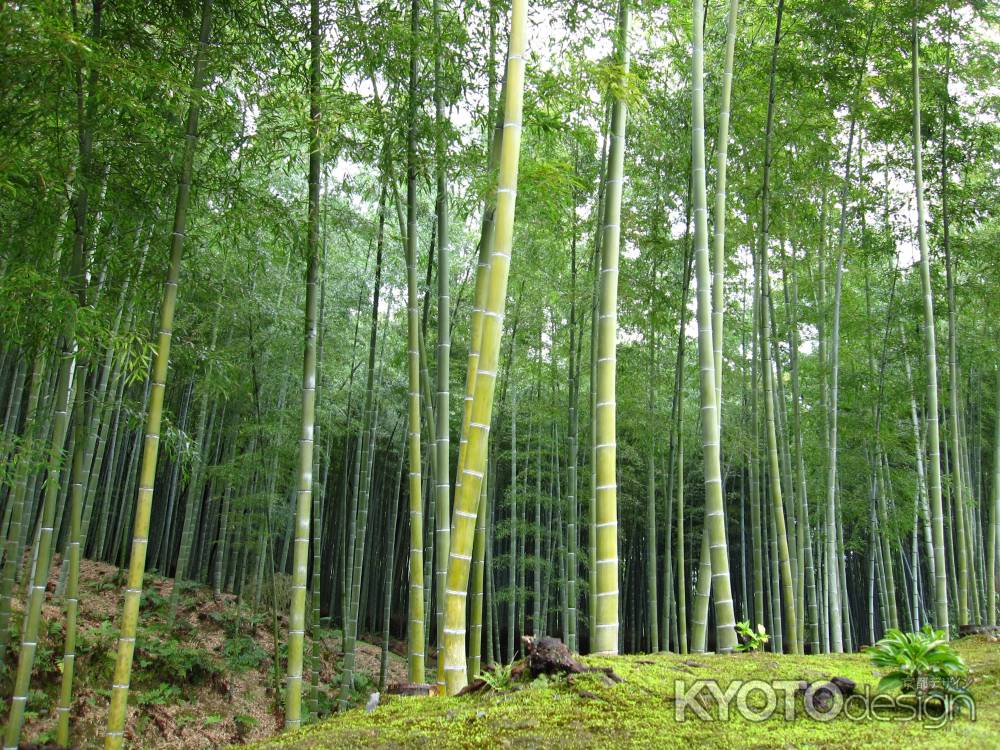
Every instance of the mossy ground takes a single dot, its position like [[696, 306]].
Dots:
[[640, 712]]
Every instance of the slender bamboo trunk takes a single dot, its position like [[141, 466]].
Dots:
[[303, 512], [774, 472], [512, 563], [719, 223], [930, 347], [478, 572], [714, 535], [652, 598], [756, 521], [73, 545], [958, 457], [572, 435], [390, 569], [806, 571], [126, 643], [993, 532], [442, 477]]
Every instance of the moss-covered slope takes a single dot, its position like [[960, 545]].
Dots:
[[588, 712]]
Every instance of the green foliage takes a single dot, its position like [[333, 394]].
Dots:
[[327, 702], [151, 600], [173, 662], [921, 663], [163, 694], [244, 723], [40, 702], [750, 639], [278, 597], [500, 679], [243, 653]]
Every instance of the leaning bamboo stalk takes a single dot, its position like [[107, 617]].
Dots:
[[16, 502], [466, 498], [72, 374], [114, 736]]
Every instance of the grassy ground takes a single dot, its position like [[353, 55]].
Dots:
[[586, 712]]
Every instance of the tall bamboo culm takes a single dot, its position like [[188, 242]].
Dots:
[[993, 532], [472, 471], [115, 734], [930, 349], [606, 627], [442, 478], [416, 627], [715, 522], [303, 506]]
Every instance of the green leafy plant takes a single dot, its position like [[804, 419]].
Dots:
[[161, 695], [750, 639], [172, 662], [921, 664], [244, 725], [39, 701], [500, 678], [243, 653], [152, 600]]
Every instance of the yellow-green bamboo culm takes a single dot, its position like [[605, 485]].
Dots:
[[930, 348], [606, 517], [704, 586], [442, 472], [478, 578], [114, 736], [415, 626], [467, 495], [719, 224], [303, 505], [715, 524], [993, 536]]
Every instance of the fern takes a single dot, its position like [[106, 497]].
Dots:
[[500, 679]]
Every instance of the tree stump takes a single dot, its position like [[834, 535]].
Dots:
[[547, 655]]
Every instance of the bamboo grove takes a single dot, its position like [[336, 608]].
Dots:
[[456, 322]]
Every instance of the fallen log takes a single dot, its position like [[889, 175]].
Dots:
[[966, 630], [420, 689]]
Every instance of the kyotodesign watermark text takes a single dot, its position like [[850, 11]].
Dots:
[[821, 700]]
